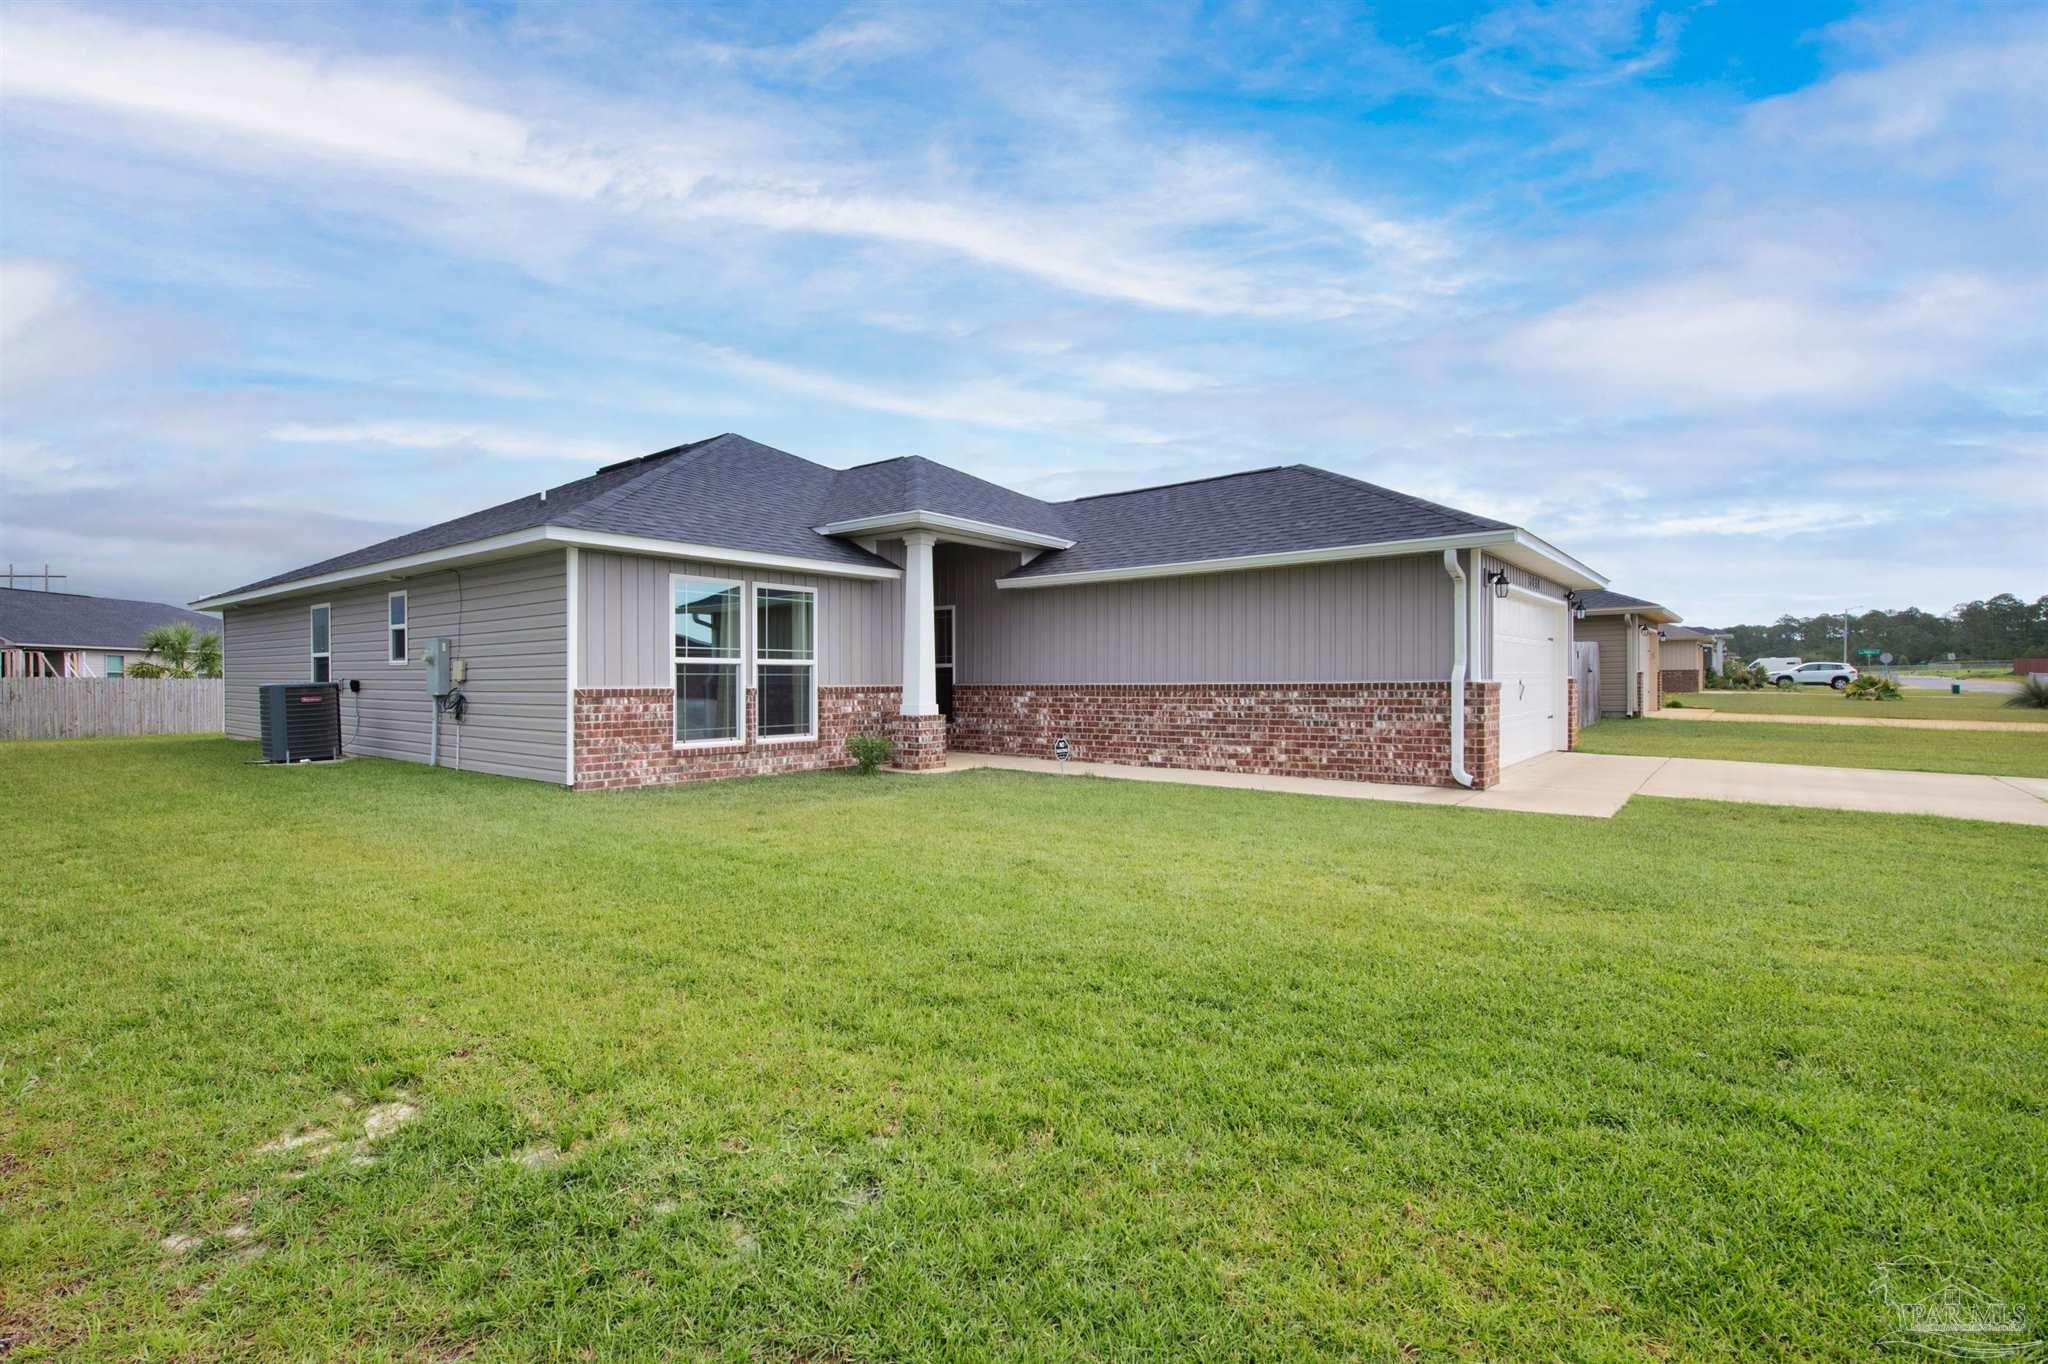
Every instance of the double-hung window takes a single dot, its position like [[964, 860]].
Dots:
[[114, 662], [394, 626], [323, 649], [709, 617], [786, 661]]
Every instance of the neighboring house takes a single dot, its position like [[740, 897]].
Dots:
[[1624, 629], [63, 634], [724, 608], [1685, 657]]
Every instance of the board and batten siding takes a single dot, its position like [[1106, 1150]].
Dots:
[[625, 631], [1611, 634], [1363, 620], [508, 620]]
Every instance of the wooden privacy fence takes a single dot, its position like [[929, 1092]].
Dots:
[[90, 707]]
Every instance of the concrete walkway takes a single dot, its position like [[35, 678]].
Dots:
[[1596, 785], [1869, 721]]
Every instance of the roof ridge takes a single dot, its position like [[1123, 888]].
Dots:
[[1479, 522], [1179, 483], [668, 459]]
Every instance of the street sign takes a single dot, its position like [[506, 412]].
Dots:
[[1885, 659]]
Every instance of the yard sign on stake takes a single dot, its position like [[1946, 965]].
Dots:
[[1060, 750]]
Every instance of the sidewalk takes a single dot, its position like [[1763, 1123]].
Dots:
[[1597, 785], [1870, 721]]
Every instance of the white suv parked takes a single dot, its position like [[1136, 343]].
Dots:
[[1836, 675]]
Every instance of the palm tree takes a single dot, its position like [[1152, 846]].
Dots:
[[179, 651]]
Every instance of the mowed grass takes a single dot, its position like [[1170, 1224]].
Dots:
[[992, 1065], [2000, 753], [1975, 706]]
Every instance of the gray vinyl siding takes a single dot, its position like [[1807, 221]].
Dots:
[[508, 620], [624, 630], [1358, 621]]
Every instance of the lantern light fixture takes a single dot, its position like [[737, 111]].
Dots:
[[1499, 581]]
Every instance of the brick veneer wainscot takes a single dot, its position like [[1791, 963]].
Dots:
[[1677, 680], [625, 737], [1361, 731], [1571, 714]]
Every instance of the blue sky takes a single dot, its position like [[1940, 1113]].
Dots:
[[1741, 303]]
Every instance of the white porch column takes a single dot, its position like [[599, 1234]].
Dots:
[[920, 649]]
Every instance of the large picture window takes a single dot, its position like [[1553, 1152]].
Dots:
[[708, 620], [786, 661], [323, 647]]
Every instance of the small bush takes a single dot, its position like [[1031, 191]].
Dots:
[[1871, 687], [2033, 693], [869, 751], [1738, 677]]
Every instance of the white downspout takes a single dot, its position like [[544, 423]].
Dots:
[[1458, 630]]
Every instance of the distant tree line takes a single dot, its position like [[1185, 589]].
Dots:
[[2000, 627]]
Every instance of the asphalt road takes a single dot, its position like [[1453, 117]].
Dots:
[[1915, 680]]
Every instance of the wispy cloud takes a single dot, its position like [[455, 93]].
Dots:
[[448, 436]]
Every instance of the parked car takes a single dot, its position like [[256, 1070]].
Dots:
[[1836, 675], [1773, 666]]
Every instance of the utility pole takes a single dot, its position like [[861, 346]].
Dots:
[[1845, 636]]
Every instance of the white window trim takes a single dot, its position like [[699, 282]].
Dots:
[[116, 665], [675, 664], [401, 660], [311, 652], [755, 602], [953, 631]]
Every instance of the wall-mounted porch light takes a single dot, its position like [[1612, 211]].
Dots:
[[1499, 581]]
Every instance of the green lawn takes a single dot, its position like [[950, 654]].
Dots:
[[2000, 753], [1822, 701], [991, 1065]]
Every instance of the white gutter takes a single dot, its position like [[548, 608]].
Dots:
[[1459, 624], [941, 521], [1555, 563], [540, 537]]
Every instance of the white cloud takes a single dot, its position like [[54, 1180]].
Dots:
[[450, 436], [401, 120]]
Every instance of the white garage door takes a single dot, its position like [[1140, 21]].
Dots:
[[1527, 656]]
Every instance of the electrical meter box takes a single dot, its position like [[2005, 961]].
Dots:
[[437, 656]]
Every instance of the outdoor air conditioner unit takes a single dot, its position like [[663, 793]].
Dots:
[[301, 721]]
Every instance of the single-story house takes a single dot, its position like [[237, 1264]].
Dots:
[[66, 634], [1623, 631], [724, 608], [1685, 658]]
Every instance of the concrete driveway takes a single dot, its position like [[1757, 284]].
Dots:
[[1597, 785]]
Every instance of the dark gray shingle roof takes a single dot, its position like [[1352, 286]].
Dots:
[[1619, 601], [1266, 511], [726, 491], [66, 618], [733, 493], [918, 484]]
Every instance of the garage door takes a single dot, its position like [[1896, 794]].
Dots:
[[1527, 662]]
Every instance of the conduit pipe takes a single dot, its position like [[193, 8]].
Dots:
[[1458, 666]]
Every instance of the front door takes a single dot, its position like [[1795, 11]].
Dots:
[[942, 654]]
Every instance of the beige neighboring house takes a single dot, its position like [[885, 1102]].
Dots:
[[1630, 665], [1685, 658], [65, 634]]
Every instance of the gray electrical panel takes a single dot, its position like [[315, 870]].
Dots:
[[437, 656]]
